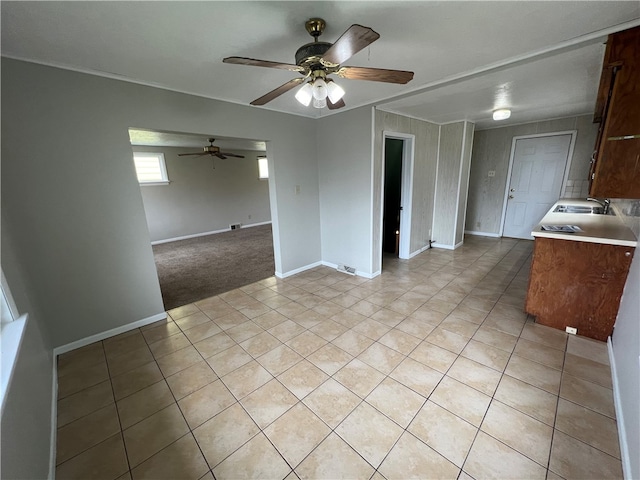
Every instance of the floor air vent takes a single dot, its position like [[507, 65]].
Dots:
[[235, 226], [347, 270]]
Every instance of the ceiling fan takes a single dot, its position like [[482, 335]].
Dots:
[[317, 60], [212, 150]]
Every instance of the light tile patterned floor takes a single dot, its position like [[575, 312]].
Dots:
[[431, 370]]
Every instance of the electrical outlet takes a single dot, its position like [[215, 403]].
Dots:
[[492, 173], [571, 330]]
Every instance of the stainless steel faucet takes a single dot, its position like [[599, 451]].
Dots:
[[604, 203]]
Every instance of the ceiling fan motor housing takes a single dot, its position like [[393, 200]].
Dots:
[[311, 53]]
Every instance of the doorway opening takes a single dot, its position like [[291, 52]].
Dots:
[[397, 187], [209, 215], [538, 168]]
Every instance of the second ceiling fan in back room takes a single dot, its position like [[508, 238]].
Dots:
[[315, 61], [213, 151]]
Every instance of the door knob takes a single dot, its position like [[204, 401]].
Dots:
[[512, 190], [510, 196]]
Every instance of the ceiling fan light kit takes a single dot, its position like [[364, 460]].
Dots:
[[315, 61], [501, 114]]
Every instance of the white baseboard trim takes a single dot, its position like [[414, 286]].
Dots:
[[297, 270], [442, 245], [54, 420], [622, 434], [419, 251], [458, 245], [482, 234], [204, 234], [359, 273], [109, 333]]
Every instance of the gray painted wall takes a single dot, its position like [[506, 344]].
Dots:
[[491, 151], [344, 169], [202, 199], [26, 419], [626, 346], [73, 203]]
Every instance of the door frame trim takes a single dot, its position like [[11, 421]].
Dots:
[[406, 191], [567, 167]]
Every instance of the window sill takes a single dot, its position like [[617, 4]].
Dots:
[[153, 184], [11, 338]]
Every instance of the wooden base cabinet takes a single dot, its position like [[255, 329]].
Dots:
[[577, 284]]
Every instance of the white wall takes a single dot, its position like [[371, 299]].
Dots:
[[491, 151], [73, 203], [201, 198], [344, 169]]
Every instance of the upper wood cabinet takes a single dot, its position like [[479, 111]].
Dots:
[[615, 171]]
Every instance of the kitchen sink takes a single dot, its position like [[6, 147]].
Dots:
[[595, 210]]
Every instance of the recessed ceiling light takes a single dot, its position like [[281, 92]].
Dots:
[[501, 114]]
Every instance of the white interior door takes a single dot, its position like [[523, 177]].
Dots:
[[536, 181]]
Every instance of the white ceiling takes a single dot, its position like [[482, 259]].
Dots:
[[542, 59]]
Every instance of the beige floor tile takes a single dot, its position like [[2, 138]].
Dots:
[[363, 307], [136, 379], [486, 355], [464, 312], [348, 318], [302, 378], [183, 311], [540, 353], [328, 329], [255, 459], [372, 328], [279, 360], [534, 374], [286, 330], [191, 379], [84, 378], [169, 345], [244, 380], [270, 319], [191, 320], [411, 458], [268, 403], [77, 360], [296, 433], [461, 327], [177, 361], [381, 357], [292, 309], [242, 332], [370, 433], [84, 402], [400, 341], [152, 434], [495, 338], [86, 432], [462, 400], [446, 433], [490, 458], [276, 301], [306, 343], [334, 459], [447, 340], [217, 310], [528, 399], [129, 360], [388, 317], [570, 458], [588, 426], [202, 331], [519, 431], [229, 360], [416, 376], [163, 329], [427, 315], [508, 324], [182, 459], [123, 343], [475, 375], [144, 403], [255, 310], [231, 320], [545, 335], [330, 359], [588, 370], [352, 342], [214, 345], [588, 394], [396, 401], [328, 309], [309, 318], [205, 403], [433, 356], [588, 348], [415, 327], [332, 402], [107, 459], [225, 433], [359, 377]]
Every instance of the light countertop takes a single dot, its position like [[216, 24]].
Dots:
[[606, 229]]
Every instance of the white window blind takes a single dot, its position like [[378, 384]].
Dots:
[[150, 168]]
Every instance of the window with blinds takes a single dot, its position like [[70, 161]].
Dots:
[[150, 168]]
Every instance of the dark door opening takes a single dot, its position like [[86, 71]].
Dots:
[[392, 196]]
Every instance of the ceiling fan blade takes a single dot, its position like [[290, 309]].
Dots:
[[375, 74], [231, 155], [185, 154], [262, 63], [354, 39], [220, 155], [278, 91], [334, 106]]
